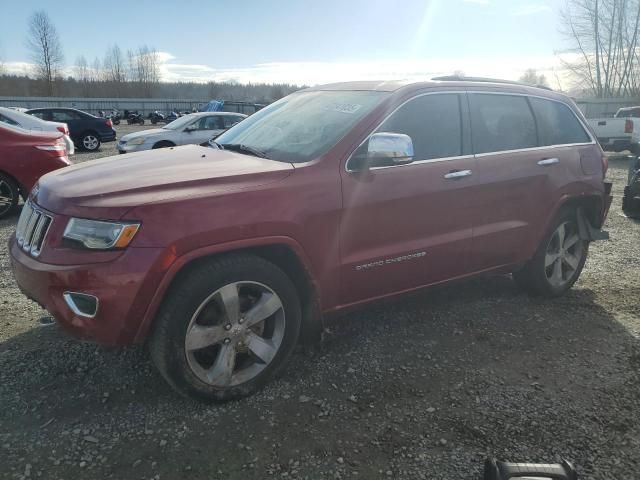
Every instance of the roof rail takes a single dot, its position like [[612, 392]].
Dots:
[[460, 78]]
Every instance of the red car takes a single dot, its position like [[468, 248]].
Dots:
[[221, 260], [25, 156]]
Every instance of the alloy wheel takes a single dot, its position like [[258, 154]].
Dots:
[[234, 334], [90, 142], [563, 255]]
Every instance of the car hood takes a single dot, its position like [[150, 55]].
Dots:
[[145, 133], [109, 187]]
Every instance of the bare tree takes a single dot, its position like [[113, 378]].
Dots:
[[531, 77], [114, 67], [95, 74], [81, 69], [144, 68], [604, 35], [46, 51]]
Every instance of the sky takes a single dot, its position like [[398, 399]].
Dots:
[[304, 41]]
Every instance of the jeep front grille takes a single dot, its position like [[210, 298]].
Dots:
[[32, 229]]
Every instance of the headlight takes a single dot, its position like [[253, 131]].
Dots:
[[136, 141], [99, 235]]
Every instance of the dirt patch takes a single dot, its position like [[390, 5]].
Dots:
[[423, 387]]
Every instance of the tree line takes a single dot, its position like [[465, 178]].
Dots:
[[24, 86]]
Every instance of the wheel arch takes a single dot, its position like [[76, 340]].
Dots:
[[21, 188], [591, 206], [164, 143], [285, 254]]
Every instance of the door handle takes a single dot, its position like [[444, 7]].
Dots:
[[454, 174], [548, 161]]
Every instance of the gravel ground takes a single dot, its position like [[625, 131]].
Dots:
[[423, 387]]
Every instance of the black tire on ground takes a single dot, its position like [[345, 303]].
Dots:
[[9, 195], [90, 141], [141, 121], [634, 165], [116, 122], [163, 144], [185, 301], [153, 120], [533, 278]]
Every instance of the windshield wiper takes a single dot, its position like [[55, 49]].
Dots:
[[239, 147]]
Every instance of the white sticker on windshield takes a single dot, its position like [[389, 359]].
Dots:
[[344, 107]]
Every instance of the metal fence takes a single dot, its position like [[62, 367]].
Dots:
[[604, 107], [591, 107], [142, 105]]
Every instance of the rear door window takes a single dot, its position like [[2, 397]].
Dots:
[[557, 124], [64, 116], [231, 120], [501, 122]]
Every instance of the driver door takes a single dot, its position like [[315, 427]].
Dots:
[[409, 225]]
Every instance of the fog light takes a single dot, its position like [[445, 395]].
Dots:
[[81, 304]]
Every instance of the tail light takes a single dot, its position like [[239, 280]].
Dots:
[[628, 126], [63, 129], [58, 149], [109, 123]]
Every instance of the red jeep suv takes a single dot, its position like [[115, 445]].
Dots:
[[222, 259]]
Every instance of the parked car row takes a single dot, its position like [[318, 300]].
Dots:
[[87, 131], [30, 122]]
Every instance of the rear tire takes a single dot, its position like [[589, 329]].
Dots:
[[559, 260], [226, 328], [9, 195], [90, 141]]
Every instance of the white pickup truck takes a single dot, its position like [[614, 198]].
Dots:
[[619, 133]]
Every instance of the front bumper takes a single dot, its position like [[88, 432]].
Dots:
[[124, 288], [126, 148]]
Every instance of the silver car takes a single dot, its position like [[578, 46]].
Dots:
[[195, 128]]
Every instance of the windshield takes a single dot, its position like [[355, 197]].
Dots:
[[303, 125], [178, 123]]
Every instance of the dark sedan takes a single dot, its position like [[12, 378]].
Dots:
[[86, 130]]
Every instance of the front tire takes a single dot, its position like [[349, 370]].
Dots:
[[9, 195], [227, 328], [559, 260]]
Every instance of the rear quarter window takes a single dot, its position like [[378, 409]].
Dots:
[[501, 123], [557, 124]]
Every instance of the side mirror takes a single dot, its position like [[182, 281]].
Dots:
[[190, 128], [389, 149]]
